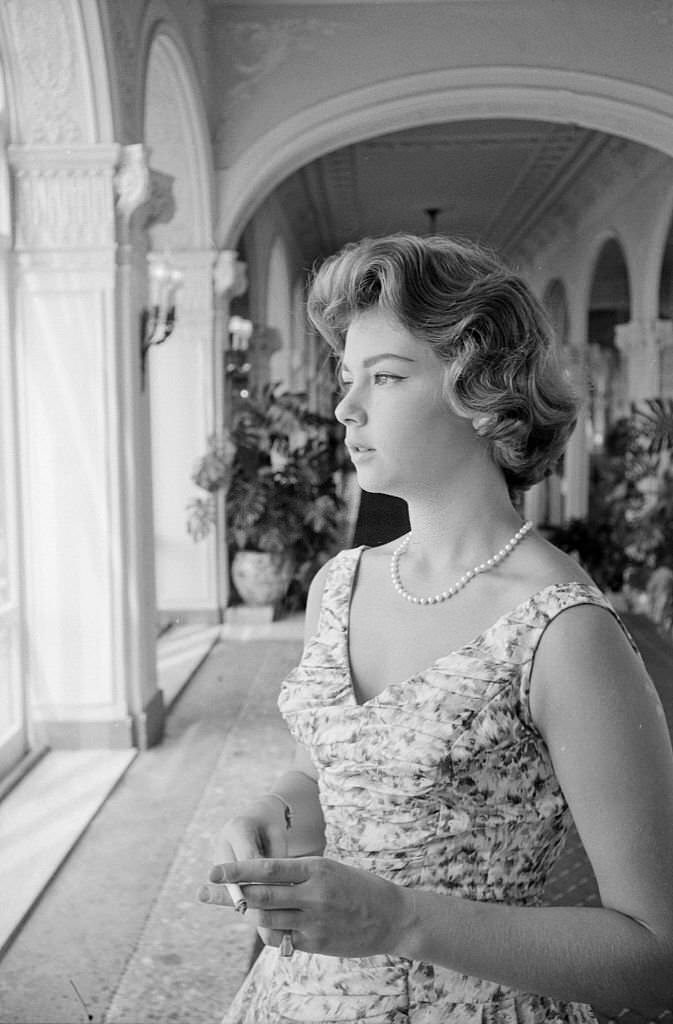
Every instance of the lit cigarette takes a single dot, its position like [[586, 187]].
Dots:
[[237, 897]]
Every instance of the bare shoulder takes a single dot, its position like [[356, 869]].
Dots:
[[584, 657], [546, 564]]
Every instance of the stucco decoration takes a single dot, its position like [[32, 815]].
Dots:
[[64, 200], [663, 13], [229, 274], [617, 158], [51, 98], [257, 48], [639, 113], [132, 181]]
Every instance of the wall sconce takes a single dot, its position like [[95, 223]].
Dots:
[[236, 363], [158, 320]]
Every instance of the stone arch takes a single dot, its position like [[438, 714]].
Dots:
[[57, 67], [549, 94], [175, 128], [608, 306], [180, 372]]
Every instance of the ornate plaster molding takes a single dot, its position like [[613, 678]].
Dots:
[[618, 158], [254, 49], [132, 181], [229, 275], [64, 198], [53, 100]]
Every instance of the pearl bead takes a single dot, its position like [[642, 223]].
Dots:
[[490, 563]]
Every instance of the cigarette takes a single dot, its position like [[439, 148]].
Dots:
[[237, 897]]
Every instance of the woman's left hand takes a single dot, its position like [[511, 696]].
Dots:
[[330, 908]]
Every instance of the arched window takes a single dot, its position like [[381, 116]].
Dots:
[[609, 305]]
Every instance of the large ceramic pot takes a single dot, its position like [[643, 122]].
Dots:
[[261, 577]]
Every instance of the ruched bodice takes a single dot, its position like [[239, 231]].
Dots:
[[441, 781]]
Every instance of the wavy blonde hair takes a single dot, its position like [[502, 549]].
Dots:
[[482, 321]]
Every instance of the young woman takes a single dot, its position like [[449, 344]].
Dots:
[[463, 692]]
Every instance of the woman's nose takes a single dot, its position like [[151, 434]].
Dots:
[[349, 410]]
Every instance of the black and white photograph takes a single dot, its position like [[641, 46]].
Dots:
[[336, 511]]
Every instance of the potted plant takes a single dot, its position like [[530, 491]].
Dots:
[[629, 530], [276, 466]]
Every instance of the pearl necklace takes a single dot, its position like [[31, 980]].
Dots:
[[486, 566]]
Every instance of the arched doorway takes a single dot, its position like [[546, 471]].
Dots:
[[180, 372], [609, 306], [454, 94]]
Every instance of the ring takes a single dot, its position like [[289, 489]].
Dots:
[[286, 944]]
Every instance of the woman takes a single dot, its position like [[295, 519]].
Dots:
[[463, 692]]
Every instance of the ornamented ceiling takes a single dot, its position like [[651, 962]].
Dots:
[[492, 180]]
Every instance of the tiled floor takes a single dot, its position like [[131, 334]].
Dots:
[[44, 816]]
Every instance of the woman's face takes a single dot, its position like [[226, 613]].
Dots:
[[401, 434]]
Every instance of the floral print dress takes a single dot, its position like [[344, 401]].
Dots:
[[441, 781]]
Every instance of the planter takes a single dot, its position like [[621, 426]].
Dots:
[[261, 577]]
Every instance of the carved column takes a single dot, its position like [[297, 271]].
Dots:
[[576, 463], [229, 281], [637, 341], [88, 589]]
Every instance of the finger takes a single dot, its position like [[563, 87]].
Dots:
[[272, 897], [274, 920], [273, 871], [215, 894], [240, 841]]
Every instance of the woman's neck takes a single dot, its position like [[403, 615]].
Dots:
[[462, 525]]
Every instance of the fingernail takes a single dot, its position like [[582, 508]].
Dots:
[[216, 874], [203, 895]]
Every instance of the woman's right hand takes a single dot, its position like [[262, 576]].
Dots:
[[259, 830]]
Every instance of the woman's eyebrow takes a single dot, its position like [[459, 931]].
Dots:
[[377, 359]]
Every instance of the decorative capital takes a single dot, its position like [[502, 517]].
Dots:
[[229, 274], [132, 180], [63, 197]]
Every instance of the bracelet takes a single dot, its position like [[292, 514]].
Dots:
[[287, 813]]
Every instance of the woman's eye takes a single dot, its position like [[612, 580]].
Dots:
[[344, 385], [386, 378]]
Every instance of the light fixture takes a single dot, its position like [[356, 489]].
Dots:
[[432, 213], [237, 364], [158, 320]]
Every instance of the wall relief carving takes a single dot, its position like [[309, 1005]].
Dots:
[[51, 94], [61, 205], [255, 49]]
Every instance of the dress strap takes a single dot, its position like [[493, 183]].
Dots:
[[338, 589], [547, 606]]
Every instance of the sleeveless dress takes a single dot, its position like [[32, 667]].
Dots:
[[441, 781]]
